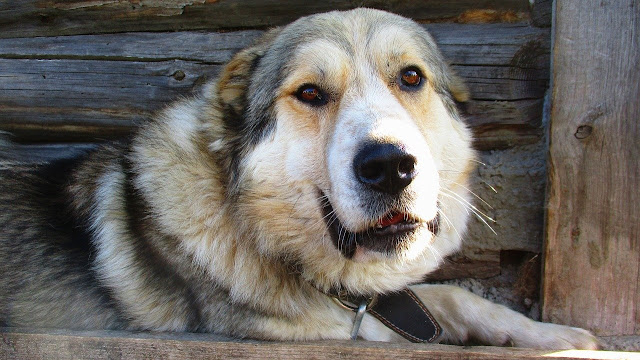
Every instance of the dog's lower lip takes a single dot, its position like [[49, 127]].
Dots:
[[398, 228], [385, 239]]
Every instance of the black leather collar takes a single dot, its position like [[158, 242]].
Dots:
[[400, 311]]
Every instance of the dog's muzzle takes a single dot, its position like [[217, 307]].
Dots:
[[384, 170]]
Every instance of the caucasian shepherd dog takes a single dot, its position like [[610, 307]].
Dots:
[[327, 162]]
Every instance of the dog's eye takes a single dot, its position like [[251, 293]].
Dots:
[[312, 95], [411, 78]]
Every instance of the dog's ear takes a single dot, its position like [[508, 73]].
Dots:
[[234, 81], [458, 89]]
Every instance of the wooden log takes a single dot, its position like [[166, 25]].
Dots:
[[30, 18], [205, 47], [67, 344], [463, 44], [86, 88], [49, 100], [459, 266], [592, 273], [33, 154]]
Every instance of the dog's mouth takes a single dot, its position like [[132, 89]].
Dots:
[[387, 236]]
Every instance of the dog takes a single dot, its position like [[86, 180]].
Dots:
[[325, 169]]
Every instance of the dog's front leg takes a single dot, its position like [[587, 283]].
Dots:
[[468, 318]]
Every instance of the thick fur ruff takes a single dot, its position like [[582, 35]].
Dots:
[[237, 211]]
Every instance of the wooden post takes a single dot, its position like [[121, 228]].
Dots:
[[592, 263]]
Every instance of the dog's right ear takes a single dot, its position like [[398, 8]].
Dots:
[[234, 81]]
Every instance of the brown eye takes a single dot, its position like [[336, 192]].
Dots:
[[312, 95], [309, 94], [411, 77]]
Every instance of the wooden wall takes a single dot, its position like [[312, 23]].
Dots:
[[120, 61], [75, 72]]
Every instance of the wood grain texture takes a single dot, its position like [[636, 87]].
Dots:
[[35, 154], [541, 13], [28, 18], [66, 344], [90, 87], [485, 264], [74, 100], [592, 274]]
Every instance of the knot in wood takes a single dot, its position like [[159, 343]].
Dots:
[[583, 131], [179, 75]]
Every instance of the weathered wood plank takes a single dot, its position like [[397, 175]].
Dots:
[[459, 266], [58, 93], [38, 153], [44, 100], [592, 275], [463, 44], [72, 88], [206, 47], [64, 17], [65, 344], [493, 44]]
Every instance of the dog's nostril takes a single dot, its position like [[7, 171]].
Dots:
[[372, 171], [406, 166], [384, 167]]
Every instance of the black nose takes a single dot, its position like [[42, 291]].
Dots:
[[384, 167]]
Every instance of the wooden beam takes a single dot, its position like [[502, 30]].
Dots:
[[66, 344], [592, 273], [30, 155], [458, 266], [91, 87], [28, 18], [88, 100]]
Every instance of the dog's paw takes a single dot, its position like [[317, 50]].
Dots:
[[553, 336]]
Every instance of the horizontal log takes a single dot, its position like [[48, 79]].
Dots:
[[206, 47], [67, 344], [57, 100], [29, 155], [87, 88], [460, 267], [518, 44], [28, 18]]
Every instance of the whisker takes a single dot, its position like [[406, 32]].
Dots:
[[460, 198], [450, 171], [435, 253], [341, 238], [448, 221], [479, 214], [478, 162], [472, 193], [490, 187], [451, 160]]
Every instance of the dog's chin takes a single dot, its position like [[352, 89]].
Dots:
[[393, 234]]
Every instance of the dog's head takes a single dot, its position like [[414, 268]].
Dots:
[[345, 153]]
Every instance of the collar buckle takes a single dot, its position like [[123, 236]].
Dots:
[[352, 302]]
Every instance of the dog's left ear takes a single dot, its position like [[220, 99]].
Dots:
[[234, 81], [458, 89]]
